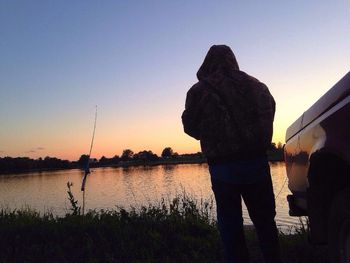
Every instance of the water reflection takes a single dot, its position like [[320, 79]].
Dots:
[[107, 188]]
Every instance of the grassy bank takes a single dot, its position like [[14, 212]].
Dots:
[[178, 231]]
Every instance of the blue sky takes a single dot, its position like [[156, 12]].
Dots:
[[137, 59]]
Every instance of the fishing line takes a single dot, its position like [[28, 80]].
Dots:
[[280, 191]]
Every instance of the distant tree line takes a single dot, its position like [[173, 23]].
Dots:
[[20, 164], [128, 157], [276, 152]]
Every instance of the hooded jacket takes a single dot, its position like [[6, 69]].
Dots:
[[230, 112]]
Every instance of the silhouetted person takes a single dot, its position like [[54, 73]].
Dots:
[[232, 113]]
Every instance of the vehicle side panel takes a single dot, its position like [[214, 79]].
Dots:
[[327, 134]]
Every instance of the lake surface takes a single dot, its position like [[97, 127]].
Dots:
[[107, 188]]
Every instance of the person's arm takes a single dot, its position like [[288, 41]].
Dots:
[[190, 115], [267, 112]]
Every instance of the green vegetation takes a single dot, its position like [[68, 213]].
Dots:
[[180, 230], [176, 231]]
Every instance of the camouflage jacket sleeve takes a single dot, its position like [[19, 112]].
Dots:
[[190, 115], [267, 112]]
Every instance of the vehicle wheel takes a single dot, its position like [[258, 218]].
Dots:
[[339, 228]]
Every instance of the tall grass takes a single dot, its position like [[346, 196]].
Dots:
[[181, 229]]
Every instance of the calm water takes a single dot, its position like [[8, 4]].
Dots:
[[134, 186]]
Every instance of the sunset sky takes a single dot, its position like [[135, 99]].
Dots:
[[137, 59]]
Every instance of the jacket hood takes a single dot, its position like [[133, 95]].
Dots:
[[219, 59]]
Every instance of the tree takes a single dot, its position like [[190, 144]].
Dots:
[[145, 156], [103, 160], [127, 155], [279, 146], [82, 162], [167, 152], [115, 159], [273, 146]]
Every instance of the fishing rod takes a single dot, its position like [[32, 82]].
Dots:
[[87, 168]]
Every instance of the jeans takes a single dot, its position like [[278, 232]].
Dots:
[[259, 199]]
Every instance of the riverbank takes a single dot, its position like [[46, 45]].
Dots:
[[178, 231], [21, 165], [124, 164]]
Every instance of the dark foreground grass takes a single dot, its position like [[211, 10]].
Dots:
[[178, 231]]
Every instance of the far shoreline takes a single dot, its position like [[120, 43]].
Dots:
[[125, 164]]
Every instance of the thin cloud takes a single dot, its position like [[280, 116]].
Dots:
[[34, 150]]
